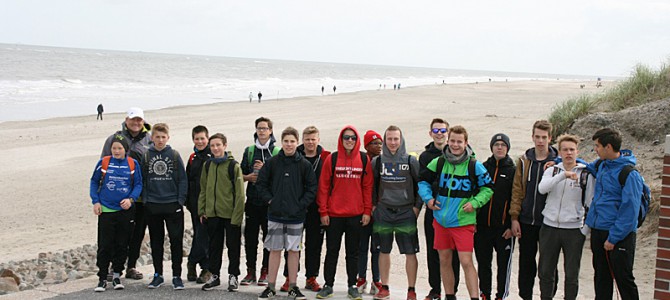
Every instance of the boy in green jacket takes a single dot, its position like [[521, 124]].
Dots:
[[221, 207]]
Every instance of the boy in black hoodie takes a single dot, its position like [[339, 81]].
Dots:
[[493, 222], [164, 193], [288, 185], [200, 243]]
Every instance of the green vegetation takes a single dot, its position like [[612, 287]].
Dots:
[[644, 85]]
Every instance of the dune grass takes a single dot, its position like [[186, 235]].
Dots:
[[644, 85]]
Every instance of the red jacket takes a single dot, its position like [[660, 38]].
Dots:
[[352, 188]]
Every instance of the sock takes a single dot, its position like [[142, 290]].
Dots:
[[411, 289], [291, 285], [271, 285], [116, 275], [450, 297]]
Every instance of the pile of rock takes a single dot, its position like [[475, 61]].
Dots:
[[54, 268]]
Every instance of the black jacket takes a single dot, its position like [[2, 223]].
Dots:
[[193, 172], [288, 185], [494, 213], [247, 166]]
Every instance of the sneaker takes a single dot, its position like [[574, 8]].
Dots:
[[433, 296], [205, 275], [212, 283], [312, 285], [250, 278], [232, 283], [102, 285], [263, 279], [361, 284], [177, 284], [267, 293], [156, 282], [376, 286], [284, 287], [384, 294], [325, 292], [296, 294], [116, 283], [132, 273], [484, 297], [411, 295], [353, 293], [191, 273]]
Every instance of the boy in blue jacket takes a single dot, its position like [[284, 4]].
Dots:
[[612, 216], [115, 185], [164, 195]]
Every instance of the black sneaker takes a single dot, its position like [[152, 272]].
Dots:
[[268, 293], [116, 283], [156, 282], [212, 283], [296, 294], [177, 284], [102, 285]]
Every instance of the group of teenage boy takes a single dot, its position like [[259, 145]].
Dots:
[[550, 200]]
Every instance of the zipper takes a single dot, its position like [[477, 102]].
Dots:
[[495, 176], [560, 204], [537, 181], [216, 179]]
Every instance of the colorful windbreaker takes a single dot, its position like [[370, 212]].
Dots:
[[116, 185], [455, 190]]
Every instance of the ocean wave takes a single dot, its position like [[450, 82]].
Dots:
[[76, 81]]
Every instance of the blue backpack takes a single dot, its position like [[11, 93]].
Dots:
[[645, 199]]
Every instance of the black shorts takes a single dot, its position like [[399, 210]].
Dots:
[[400, 223]]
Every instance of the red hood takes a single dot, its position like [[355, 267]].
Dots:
[[355, 153]]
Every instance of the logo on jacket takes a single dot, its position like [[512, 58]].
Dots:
[[111, 185], [160, 166], [455, 183]]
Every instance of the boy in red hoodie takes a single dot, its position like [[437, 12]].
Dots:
[[345, 205]]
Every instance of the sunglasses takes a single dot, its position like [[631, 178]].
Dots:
[[349, 137], [436, 130]]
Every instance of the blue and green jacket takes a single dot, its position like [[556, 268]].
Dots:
[[455, 189]]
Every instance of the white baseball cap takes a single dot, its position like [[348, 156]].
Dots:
[[135, 112]]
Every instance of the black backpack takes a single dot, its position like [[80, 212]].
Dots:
[[645, 199], [333, 162]]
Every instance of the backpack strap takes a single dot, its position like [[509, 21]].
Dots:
[[555, 171], [472, 172], [333, 162], [377, 175], [250, 155], [103, 169], [623, 175], [275, 150], [436, 183], [231, 176]]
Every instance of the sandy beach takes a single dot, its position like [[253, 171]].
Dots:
[[47, 164]]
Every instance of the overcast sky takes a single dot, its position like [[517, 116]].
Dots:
[[606, 37]]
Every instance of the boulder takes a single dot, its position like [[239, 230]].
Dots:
[[10, 274], [8, 285]]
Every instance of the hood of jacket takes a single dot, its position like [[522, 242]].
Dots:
[[530, 154], [355, 153], [146, 129], [399, 156]]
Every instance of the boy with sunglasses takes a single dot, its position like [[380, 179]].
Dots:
[[345, 205]]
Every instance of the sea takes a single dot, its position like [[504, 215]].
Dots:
[[39, 82]]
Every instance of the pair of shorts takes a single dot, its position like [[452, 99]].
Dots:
[[460, 238], [399, 223], [283, 237]]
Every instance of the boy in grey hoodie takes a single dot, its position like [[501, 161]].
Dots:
[[396, 207], [164, 194]]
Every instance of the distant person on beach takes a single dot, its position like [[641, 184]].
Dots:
[[251, 96], [397, 207], [372, 142], [527, 204], [100, 111], [164, 193], [463, 185], [394, 87], [398, 85], [613, 216], [220, 210], [259, 96], [322, 89], [345, 194], [569, 190], [334, 89], [493, 223], [200, 243], [256, 211], [115, 185], [136, 131], [438, 133], [288, 185]]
